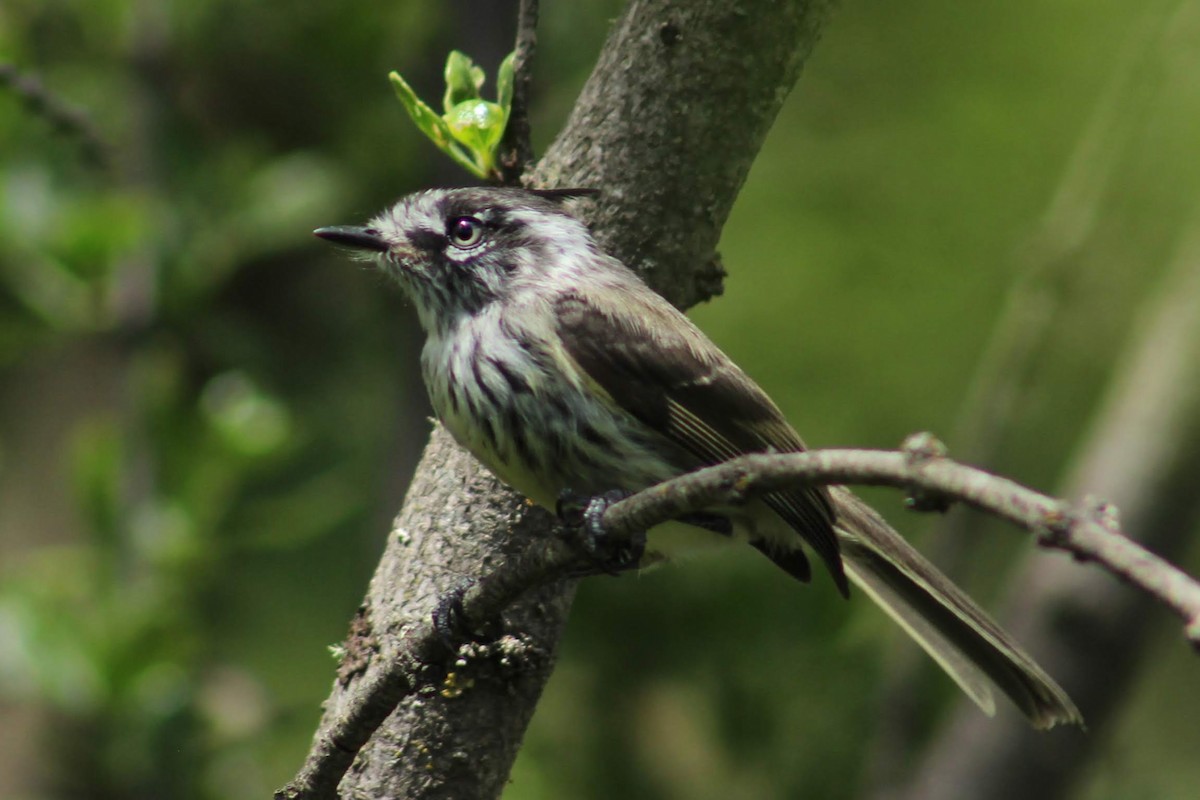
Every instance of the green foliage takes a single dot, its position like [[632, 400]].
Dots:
[[181, 461], [206, 420], [470, 129]]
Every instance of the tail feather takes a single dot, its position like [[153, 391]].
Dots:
[[957, 633]]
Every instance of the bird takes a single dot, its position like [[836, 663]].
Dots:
[[565, 374]]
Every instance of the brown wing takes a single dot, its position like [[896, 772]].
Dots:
[[657, 366]]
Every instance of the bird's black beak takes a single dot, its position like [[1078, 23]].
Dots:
[[350, 236]]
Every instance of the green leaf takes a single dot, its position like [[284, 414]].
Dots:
[[463, 80], [433, 126], [472, 127], [425, 118], [504, 84], [478, 124]]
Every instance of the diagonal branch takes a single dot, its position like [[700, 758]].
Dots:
[[1088, 531], [1049, 264], [1143, 452], [65, 118]]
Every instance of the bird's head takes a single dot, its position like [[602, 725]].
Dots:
[[456, 250]]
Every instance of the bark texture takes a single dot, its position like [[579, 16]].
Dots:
[[668, 124], [666, 127]]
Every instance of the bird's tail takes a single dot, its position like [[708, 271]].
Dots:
[[956, 632]]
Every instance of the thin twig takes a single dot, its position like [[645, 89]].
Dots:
[[516, 147], [1142, 452], [64, 117], [335, 749], [1048, 264], [1089, 531]]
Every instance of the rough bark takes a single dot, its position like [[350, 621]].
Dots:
[[670, 121], [667, 127]]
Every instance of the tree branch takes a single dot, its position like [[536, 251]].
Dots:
[[1143, 453], [1049, 265], [62, 116], [667, 127], [1088, 531], [516, 147]]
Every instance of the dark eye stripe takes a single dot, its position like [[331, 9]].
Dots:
[[428, 240]]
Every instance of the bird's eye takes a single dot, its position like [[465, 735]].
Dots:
[[465, 232]]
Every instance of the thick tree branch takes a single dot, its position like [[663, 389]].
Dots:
[[667, 127], [419, 659]]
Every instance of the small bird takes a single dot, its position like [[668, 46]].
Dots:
[[560, 370]]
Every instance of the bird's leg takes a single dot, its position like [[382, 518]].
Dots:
[[451, 623], [583, 520]]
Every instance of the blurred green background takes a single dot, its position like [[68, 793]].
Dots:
[[207, 418]]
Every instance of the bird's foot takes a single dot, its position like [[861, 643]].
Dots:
[[583, 519], [451, 622]]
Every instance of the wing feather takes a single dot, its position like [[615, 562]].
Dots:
[[658, 367]]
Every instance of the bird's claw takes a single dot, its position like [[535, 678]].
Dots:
[[450, 618], [583, 519]]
